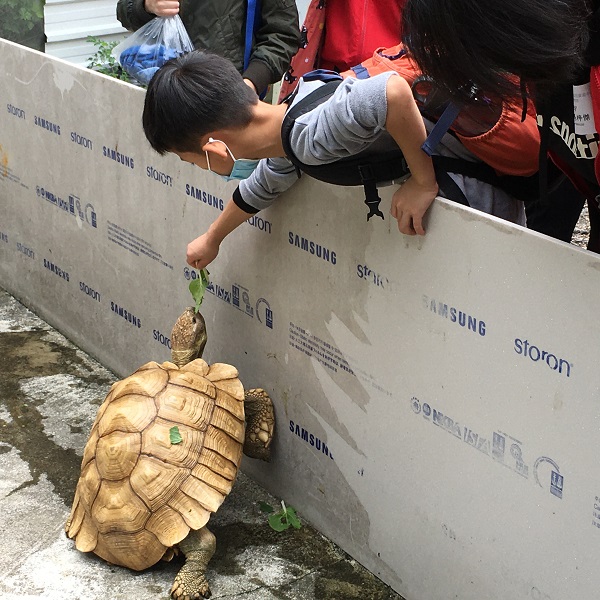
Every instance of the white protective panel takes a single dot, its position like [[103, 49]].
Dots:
[[437, 398]]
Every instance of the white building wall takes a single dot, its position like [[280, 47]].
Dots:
[[68, 23]]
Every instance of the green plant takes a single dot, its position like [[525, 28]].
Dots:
[[282, 520], [22, 21], [198, 287], [103, 61]]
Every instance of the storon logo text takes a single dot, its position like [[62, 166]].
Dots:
[[525, 348]]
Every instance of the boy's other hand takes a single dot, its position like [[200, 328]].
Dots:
[[201, 252], [162, 8], [410, 203]]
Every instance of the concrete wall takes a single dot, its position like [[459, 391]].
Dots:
[[437, 398]]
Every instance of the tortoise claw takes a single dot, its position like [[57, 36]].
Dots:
[[180, 591]]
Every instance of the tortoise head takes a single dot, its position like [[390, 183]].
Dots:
[[188, 337]]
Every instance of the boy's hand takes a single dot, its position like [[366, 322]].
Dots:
[[202, 251], [410, 203], [162, 8]]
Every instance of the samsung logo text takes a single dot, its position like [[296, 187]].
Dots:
[[203, 196], [122, 159], [312, 248], [310, 439], [56, 269], [47, 125], [125, 314], [455, 315]]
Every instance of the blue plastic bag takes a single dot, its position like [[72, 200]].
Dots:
[[150, 47]]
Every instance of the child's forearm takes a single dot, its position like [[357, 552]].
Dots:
[[229, 220], [405, 124], [204, 249]]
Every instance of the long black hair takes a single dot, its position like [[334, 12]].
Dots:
[[498, 46]]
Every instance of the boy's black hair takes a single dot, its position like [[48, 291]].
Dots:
[[497, 46], [193, 95]]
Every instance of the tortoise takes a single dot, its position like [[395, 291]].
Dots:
[[162, 455]]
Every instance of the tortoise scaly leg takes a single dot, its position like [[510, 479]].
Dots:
[[190, 583], [260, 421]]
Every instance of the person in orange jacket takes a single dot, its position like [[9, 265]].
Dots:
[[545, 51]]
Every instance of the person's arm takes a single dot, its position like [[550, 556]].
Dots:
[[354, 116], [276, 41], [271, 178], [405, 124], [204, 249]]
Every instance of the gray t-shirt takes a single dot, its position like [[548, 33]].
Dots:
[[352, 119]]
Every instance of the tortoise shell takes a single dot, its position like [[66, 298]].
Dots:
[[139, 493]]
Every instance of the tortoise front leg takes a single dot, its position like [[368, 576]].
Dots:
[[190, 583], [260, 421]]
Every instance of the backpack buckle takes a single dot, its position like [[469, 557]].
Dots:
[[372, 198]]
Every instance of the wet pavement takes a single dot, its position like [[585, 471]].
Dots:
[[49, 394]]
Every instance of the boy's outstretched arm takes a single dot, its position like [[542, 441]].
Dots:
[[204, 249], [405, 124]]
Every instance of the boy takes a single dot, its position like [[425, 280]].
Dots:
[[198, 107]]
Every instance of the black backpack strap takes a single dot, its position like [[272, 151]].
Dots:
[[519, 187], [305, 105], [449, 188], [372, 199], [368, 169]]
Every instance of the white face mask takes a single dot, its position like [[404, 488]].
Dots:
[[242, 167]]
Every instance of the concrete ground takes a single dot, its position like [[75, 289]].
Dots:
[[49, 393]]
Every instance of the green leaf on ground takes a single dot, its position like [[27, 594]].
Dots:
[[266, 508], [284, 519], [293, 518]]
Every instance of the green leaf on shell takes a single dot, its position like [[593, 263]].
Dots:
[[175, 435]]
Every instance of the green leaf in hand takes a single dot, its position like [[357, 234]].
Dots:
[[198, 287]]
